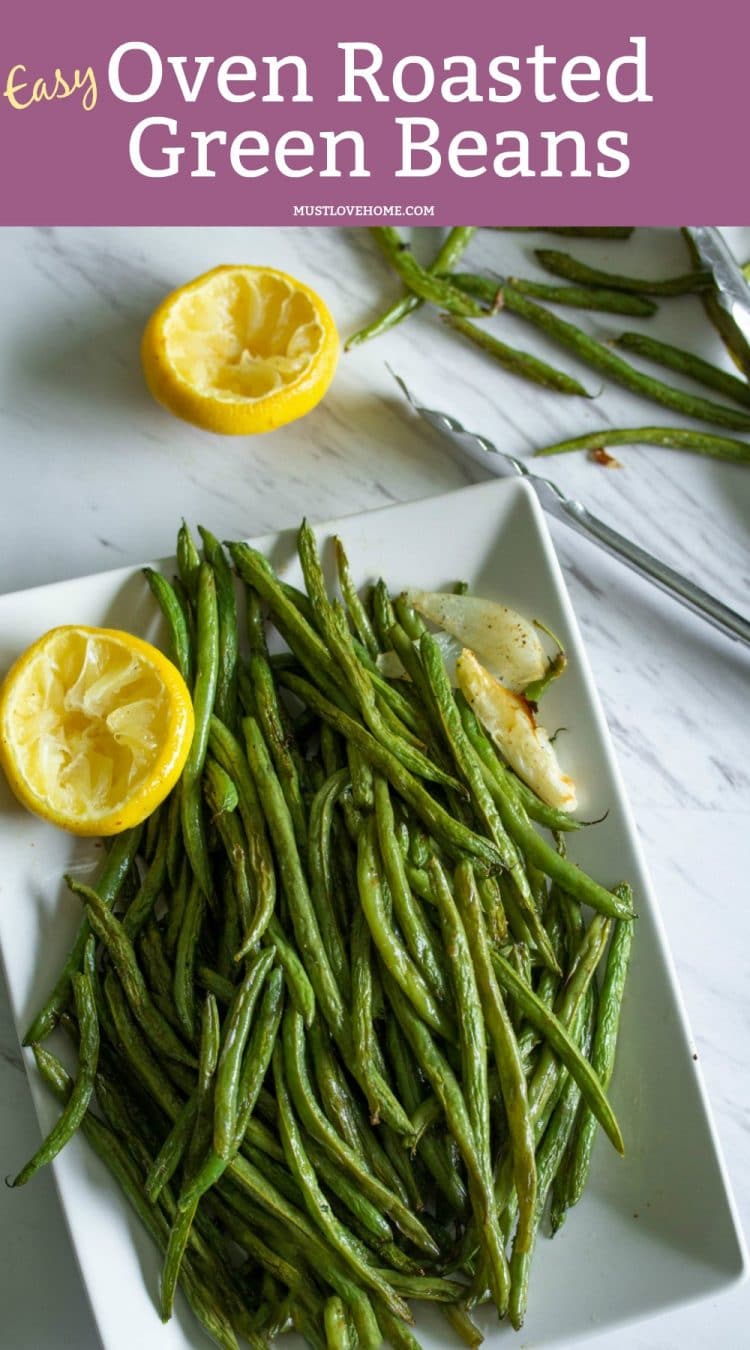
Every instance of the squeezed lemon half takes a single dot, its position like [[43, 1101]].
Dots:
[[95, 727], [240, 350]]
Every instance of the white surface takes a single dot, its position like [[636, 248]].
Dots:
[[96, 476], [639, 1215]]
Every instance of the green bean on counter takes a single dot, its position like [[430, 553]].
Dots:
[[673, 438], [574, 231], [576, 297], [592, 288], [602, 358], [562, 265], [520, 363], [334, 1004], [676, 358], [456, 241], [422, 283]]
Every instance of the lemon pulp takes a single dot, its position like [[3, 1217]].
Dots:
[[95, 726], [244, 336], [87, 723], [240, 350]]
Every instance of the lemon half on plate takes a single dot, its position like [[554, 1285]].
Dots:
[[240, 350], [95, 727]]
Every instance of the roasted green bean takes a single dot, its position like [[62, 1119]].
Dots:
[[111, 1152], [687, 363], [319, 1128], [188, 561], [491, 813], [422, 283], [120, 949], [204, 694], [177, 625], [471, 1022], [226, 612], [672, 438], [235, 1033], [573, 231], [182, 1223], [358, 616], [118, 863], [445, 259], [231, 756], [557, 1037], [313, 898], [575, 1175], [602, 358], [418, 935], [518, 362], [450, 831], [489, 288], [295, 883], [448, 1091], [505, 1051], [77, 1104], [563, 265], [586, 297], [390, 948], [343, 1242]]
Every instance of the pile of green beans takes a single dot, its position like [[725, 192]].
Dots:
[[463, 297], [336, 1004]]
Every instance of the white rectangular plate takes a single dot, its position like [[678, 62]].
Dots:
[[654, 1230]]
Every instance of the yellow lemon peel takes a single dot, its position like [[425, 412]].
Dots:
[[95, 727], [240, 350]]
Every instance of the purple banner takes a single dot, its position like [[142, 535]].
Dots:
[[342, 113]]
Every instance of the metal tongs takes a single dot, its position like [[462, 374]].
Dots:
[[731, 292], [579, 518]]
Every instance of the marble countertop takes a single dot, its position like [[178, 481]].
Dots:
[[96, 476]]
